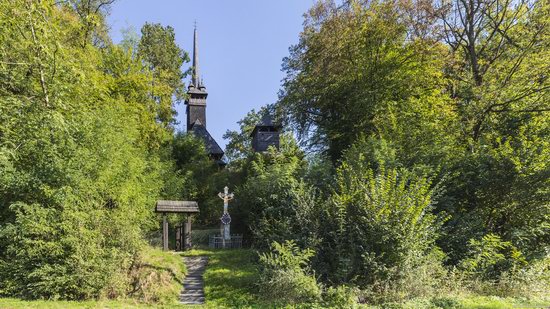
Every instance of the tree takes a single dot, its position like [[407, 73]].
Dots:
[[499, 85], [499, 52], [356, 73], [158, 49], [79, 161], [274, 204], [194, 176], [92, 15]]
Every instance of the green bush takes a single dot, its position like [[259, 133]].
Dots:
[[497, 267], [276, 204], [490, 257], [378, 232], [285, 275], [340, 297]]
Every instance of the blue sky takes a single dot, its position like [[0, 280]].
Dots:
[[241, 47]]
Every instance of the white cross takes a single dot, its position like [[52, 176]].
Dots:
[[226, 197]]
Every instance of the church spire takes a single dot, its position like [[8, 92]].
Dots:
[[196, 80]]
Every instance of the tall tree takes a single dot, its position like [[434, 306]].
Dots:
[[499, 84], [79, 161], [92, 15], [356, 72], [500, 58], [158, 49]]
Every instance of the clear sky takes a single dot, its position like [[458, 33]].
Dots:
[[241, 47]]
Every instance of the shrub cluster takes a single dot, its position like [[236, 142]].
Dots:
[[80, 158], [376, 231], [285, 274]]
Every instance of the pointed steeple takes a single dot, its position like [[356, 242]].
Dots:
[[196, 101], [195, 79], [196, 106]]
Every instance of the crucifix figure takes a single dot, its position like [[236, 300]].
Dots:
[[225, 219]]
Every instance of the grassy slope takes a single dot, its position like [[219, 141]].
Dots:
[[159, 278], [230, 280]]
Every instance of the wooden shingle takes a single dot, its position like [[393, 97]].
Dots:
[[177, 206]]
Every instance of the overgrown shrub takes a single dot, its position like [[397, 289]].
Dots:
[[340, 297], [490, 257], [497, 267], [276, 204], [285, 276], [531, 282], [378, 232]]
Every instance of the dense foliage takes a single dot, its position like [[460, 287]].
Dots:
[[424, 166], [465, 99], [274, 204], [427, 126], [378, 226], [285, 277], [80, 151]]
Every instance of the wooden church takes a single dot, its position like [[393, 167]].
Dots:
[[196, 109], [265, 134]]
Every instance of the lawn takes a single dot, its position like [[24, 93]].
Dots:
[[230, 282], [230, 278], [11, 303], [466, 302]]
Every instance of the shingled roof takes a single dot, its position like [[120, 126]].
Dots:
[[211, 145], [177, 206]]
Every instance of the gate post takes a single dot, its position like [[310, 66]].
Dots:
[[187, 233], [164, 232], [179, 238]]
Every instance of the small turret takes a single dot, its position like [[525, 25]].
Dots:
[[265, 134]]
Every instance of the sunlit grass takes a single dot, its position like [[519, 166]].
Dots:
[[12, 303], [464, 302], [230, 282], [230, 277]]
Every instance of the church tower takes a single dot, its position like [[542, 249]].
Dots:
[[196, 103], [196, 108]]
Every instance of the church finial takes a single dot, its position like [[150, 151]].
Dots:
[[195, 81]]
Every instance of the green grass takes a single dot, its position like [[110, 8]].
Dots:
[[230, 278], [11, 303], [160, 276], [230, 282], [464, 302], [487, 302]]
